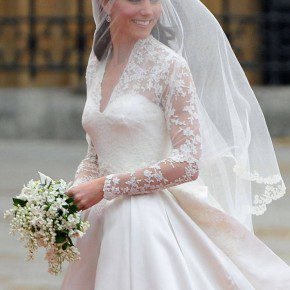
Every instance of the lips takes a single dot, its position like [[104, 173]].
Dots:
[[142, 23]]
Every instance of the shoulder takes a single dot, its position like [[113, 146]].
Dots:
[[167, 57], [167, 53], [177, 71]]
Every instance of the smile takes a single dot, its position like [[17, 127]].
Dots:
[[142, 23]]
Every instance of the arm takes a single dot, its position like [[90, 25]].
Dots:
[[88, 167], [182, 123]]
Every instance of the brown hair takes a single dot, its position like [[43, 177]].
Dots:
[[102, 37]]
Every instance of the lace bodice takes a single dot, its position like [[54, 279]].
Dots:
[[147, 138], [88, 168]]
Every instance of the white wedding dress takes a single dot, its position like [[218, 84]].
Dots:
[[141, 237]]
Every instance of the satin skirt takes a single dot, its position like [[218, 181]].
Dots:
[[150, 242]]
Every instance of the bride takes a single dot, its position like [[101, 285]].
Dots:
[[179, 157]]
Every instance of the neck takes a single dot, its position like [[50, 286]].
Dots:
[[121, 50]]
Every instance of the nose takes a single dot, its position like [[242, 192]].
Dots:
[[146, 8]]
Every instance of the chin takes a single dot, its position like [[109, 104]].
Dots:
[[142, 35]]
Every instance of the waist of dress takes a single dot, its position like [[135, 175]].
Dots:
[[108, 168]]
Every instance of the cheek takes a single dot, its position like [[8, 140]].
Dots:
[[124, 12]]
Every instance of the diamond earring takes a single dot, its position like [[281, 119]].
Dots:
[[108, 18]]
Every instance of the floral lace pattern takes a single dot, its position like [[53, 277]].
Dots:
[[274, 188], [88, 168], [171, 86], [157, 81]]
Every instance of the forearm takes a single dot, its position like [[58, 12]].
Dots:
[[88, 167], [181, 117], [163, 174]]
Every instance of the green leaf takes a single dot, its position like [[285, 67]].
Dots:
[[60, 237], [69, 200], [73, 208], [64, 246], [48, 183], [70, 241], [46, 207], [17, 201]]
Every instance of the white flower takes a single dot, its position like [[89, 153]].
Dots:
[[45, 222], [23, 196], [53, 208], [79, 233], [50, 198], [68, 186], [60, 201], [44, 179], [75, 233]]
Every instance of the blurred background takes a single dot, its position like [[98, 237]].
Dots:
[[44, 48]]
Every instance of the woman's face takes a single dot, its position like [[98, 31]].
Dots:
[[134, 18]]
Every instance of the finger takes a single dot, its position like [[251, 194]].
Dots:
[[79, 203], [80, 207], [76, 203], [69, 193]]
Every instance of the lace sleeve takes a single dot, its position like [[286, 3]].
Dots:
[[88, 168], [179, 104]]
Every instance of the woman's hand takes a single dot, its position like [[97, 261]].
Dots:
[[87, 194]]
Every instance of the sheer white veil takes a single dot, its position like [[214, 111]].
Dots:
[[238, 163]]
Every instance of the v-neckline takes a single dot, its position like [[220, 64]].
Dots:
[[102, 73], [103, 70]]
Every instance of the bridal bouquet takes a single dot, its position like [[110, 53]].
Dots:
[[44, 216]]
